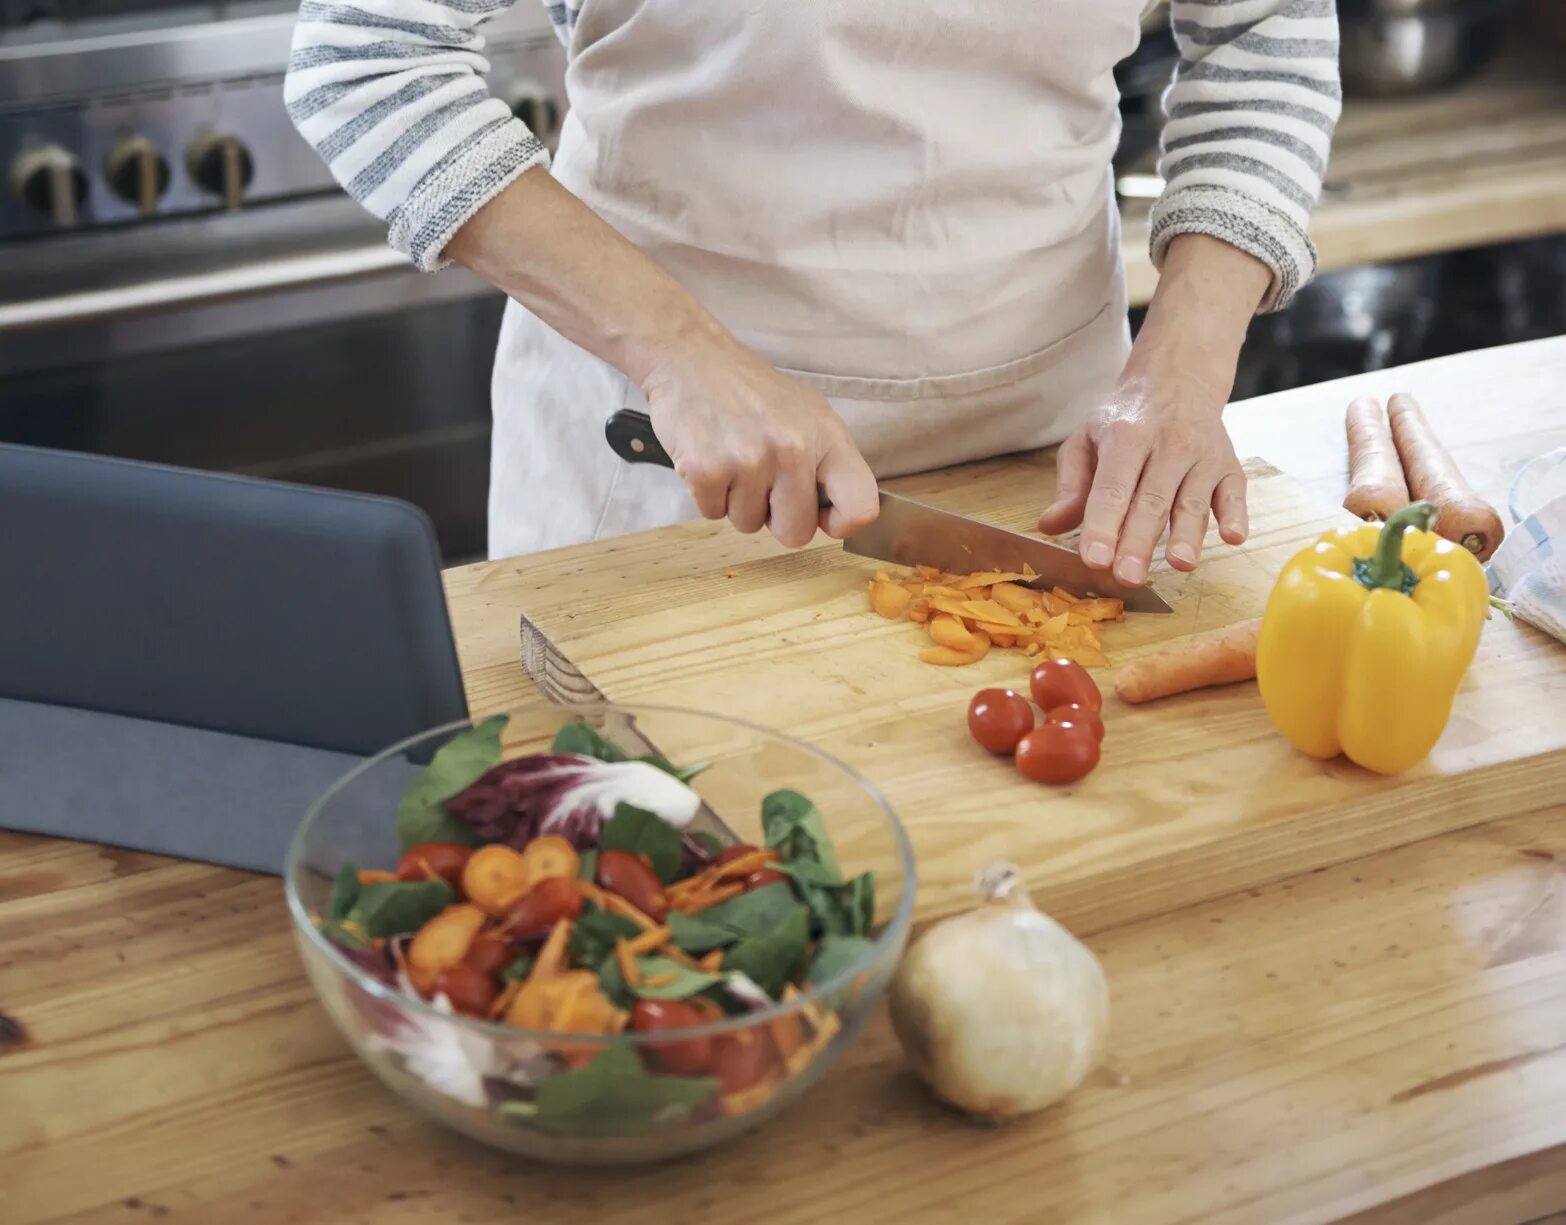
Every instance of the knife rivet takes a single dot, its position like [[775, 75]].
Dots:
[[638, 445]]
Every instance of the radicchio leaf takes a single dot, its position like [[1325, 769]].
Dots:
[[569, 795]]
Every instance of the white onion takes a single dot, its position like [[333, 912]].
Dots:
[[1001, 1009]]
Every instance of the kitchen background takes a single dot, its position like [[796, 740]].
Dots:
[[181, 281]]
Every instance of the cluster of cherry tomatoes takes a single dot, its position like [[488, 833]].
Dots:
[[1062, 749]]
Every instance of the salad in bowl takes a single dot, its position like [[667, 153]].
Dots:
[[547, 933]]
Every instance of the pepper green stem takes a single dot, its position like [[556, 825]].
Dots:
[[1386, 568]]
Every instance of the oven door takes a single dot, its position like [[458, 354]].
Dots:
[[306, 351]]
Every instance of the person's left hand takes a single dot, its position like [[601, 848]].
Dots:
[[1155, 455]]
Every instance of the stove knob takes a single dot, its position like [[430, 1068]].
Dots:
[[221, 166], [538, 111], [50, 181], [137, 173]]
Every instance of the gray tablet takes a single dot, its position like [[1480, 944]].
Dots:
[[196, 649]]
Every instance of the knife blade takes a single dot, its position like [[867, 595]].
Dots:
[[910, 533]]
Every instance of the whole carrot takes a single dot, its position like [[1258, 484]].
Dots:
[[1376, 485], [1221, 657], [1433, 476]]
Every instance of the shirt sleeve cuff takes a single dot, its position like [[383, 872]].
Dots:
[[1256, 228], [458, 188]]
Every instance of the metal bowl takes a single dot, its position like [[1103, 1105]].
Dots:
[[1399, 47]]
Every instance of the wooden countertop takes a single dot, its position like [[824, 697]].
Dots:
[[1380, 1041], [1482, 163]]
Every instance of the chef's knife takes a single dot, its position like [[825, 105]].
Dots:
[[909, 533]]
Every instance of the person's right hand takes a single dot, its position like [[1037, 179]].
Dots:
[[752, 444]]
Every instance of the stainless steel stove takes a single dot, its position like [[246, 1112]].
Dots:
[[181, 280]]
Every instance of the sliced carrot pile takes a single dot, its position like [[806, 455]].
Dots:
[[967, 614]]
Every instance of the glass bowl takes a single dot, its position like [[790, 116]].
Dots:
[[596, 1099]]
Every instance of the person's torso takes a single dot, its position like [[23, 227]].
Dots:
[[876, 188]]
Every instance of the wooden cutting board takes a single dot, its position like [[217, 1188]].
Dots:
[[1196, 796]]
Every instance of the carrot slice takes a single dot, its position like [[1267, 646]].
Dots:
[[616, 904], [948, 631], [744, 865], [990, 610], [374, 876], [648, 941], [627, 960], [948, 657], [507, 994], [890, 600], [551, 958], [712, 962], [712, 897], [675, 953]]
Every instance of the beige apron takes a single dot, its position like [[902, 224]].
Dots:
[[906, 204]]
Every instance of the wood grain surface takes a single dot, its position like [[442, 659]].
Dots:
[[1196, 795], [1381, 1041]]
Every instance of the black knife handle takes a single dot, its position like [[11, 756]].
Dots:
[[631, 437]]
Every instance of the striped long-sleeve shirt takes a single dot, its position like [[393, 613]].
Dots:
[[391, 93]]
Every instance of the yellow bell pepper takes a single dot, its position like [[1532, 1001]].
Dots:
[[1366, 637]]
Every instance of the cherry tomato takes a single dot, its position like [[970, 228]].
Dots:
[[1078, 716], [688, 1056], [742, 1060], [730, 853], [434, 861], [998, 718], [628, 875], [761, 878], [541, 907], [1057, 753], [1061, 682], [470, 991], [489, 953]]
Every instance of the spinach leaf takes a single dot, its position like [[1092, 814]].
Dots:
[[611, 1096], [834, 955], [687, 982], [391, 908], [795, 829], [754, 913], [643, 833], [770, 960], [594, 935], [456, 766], [589, 866], [585, 741], [345, 892], [518, 969], [807, 872], [692, 934], [339, 934], [841, 910], [750, 914], [710, 843], [684, 982]]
